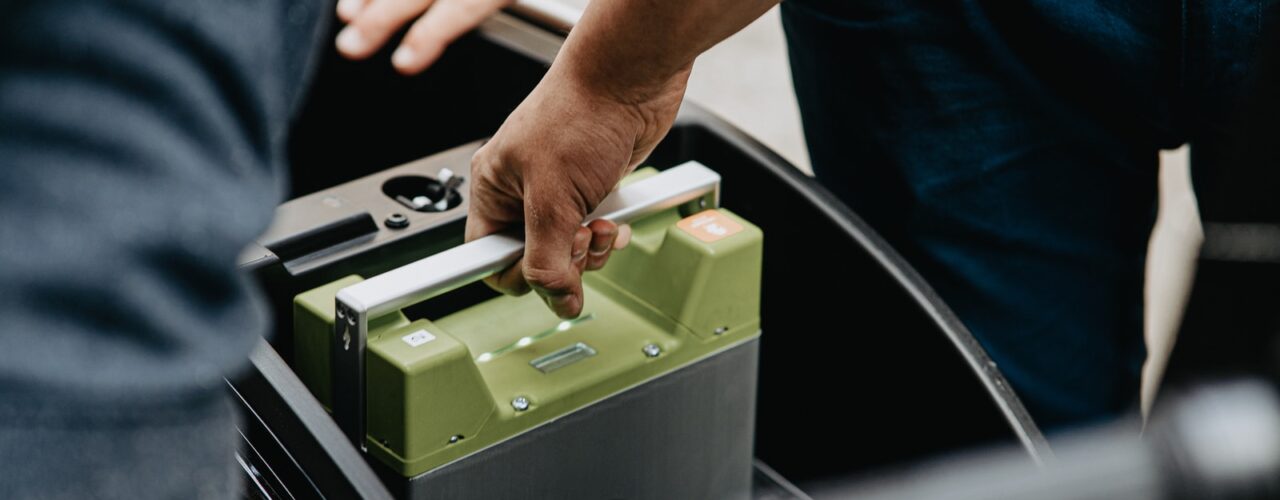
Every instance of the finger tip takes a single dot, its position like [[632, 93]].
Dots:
[[351, 43], [348, 9], [597, 262], [413, 59], [405, 59], [570, 313], [624, 237], [567, 306]]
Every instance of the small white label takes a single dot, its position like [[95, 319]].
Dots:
[[418, 338]]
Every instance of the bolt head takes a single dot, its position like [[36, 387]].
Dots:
[[520, 403], [397, 221], [651, 350]]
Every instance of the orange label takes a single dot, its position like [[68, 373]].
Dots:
[[709, 226]]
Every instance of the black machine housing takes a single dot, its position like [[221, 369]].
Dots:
[[913, 383]]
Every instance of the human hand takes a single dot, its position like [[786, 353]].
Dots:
[[370, 23], [557, 156]]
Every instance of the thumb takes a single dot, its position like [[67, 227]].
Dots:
[[555, 249]]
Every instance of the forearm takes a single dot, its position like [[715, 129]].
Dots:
[[609, 97], [631, 47]]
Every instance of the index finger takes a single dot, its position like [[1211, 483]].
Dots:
[[434, 31]]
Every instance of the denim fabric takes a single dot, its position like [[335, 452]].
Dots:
[[1009, 150], [141, 147]]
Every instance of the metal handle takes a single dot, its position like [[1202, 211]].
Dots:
[[467, 263], [478, 259]]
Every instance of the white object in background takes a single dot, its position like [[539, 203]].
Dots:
[[1171, 263]]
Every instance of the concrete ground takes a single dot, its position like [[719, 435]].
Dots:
[[746, 79]]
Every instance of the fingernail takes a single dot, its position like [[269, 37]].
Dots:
[[351, 41], [577, 256], [595, 253], [348, 8], [624, 238], [404, 57]]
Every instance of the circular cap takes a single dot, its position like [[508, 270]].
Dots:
[[397, 221]]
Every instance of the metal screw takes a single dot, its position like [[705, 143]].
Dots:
[[520, 403], [721, 330], [702, 203], [651, 350], [455, 438], [396, 221], [342, 313], [346, 340]]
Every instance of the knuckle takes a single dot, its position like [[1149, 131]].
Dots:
[[482, 164]]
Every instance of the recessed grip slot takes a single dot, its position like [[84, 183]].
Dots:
[[323, 236]]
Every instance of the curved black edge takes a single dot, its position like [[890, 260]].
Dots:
[[986, 370], [282, 418], [767, 484]]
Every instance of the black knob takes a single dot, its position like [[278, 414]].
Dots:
[[396, 221]]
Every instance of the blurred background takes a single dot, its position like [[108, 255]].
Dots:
[[747, 80]]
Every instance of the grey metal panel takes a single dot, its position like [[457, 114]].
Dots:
[[312, 212], [684, 435]]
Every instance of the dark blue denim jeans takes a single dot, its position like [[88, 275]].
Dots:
[[1009, 150]]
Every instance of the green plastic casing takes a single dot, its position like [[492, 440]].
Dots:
[[430, 403]]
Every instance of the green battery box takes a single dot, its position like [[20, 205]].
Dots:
[[439, 390]]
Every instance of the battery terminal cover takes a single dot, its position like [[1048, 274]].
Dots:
[[687, 288]]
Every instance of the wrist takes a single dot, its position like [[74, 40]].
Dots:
[[618, 77]]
